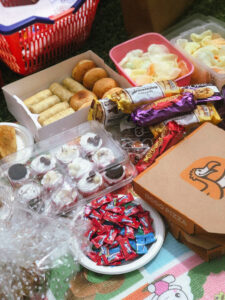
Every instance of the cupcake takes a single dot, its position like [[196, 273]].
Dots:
[[42, 164], [18, 174], [114, 174], [90, 142], [79, 167], [52, 180], [67, 153], [90, 184], [103, 157], [29, 191], [64, 198]]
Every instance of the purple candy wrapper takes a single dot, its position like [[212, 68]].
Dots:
[[204, 92], [164, 109]]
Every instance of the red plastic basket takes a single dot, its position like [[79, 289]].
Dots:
[[40, 45]]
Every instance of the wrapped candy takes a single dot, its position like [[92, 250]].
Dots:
[[204, 92]]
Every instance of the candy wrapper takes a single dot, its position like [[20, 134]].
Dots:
[[204, 92], [171, 134], [128, 99], [202, 113], [164, 109]]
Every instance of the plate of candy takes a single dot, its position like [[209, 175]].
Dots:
[[125, 234]]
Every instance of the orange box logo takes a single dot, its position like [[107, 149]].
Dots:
[[207, 175]]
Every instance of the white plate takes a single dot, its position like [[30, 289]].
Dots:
[[23, 139], [159, 228]]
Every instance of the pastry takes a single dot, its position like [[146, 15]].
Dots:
[[18, 173], [103, 85], [7, 140], [42, 164], [60, 91], [90, 142], [52, 180], [79, 167], [81, 68], [93, 75], [86, 104], [90, 184], [37, 97], [73, 85], [114, 174], [103, 157], [67, 153], [112, 91], [52, 111], [81, 98], [44, 104], [58, 116]]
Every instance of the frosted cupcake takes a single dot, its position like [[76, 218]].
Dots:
[[67, 153], [64, 198], [42, 164], [52, 180], [90, 184], [103, 157], [29, 191], [115, 174], [90, 142], [79, 167], [18, 174]]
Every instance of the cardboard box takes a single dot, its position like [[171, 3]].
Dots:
[[19, 90], [187, 183]]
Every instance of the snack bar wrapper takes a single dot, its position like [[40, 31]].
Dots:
[[128, 99], [202, 113], [171, 134], [204, 92], [105, 111], [164, 109]]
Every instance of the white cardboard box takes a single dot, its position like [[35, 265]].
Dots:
[[21, 89]]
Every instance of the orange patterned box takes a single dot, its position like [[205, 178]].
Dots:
[[187, 183]]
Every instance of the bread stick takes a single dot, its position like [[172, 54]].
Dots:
[[44, 104], [60, 91], [59, 116], [73, 85], [37, 97], [46, 114]]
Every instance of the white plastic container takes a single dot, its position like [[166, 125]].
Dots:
[[198, 24]]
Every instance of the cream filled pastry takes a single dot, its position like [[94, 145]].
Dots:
[[52, 179], [67, 153], [43, 164], [103, 157], [29, 191], [79, 167], [66, 197], [90, 142], [89, 184], [114, 174]]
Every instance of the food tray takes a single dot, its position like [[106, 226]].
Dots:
[[142, 42], [198, 24], [67, 168]]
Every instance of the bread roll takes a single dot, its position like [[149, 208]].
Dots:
[[81, 68], [80, 98], [103, 85], [59, 90], [59, 116], [52, 111], [73, 85], [37, 97], [87, 104], [93, 75], [112, 91], [44, 104]]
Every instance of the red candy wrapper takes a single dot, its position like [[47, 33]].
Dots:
[[95, 215], [94, 256], [101, 201], [87, 210], [98, 241], [129, 232], [172, 134], [146, 222], [113, 208], [112, 258], [123, 199], [89, 234], [132, 222], [127, 250], [111, 236], [111, 217], [132, 210]]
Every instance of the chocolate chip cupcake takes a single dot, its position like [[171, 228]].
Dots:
[[114, 174], [90, 142], [18, 174], [42, 164], [90, 184]]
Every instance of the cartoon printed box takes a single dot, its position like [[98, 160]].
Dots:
[[187, 183]]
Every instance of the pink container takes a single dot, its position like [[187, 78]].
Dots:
[[142, 42]]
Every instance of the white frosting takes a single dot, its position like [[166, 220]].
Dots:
[[89, 147], [79, 167], [103, 157], [51, 179], [89, 187], [29, 191], [67, 153], [65, 196], [40, 167]]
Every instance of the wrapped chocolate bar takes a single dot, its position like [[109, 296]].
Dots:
[[171, 134], [204, 92], [105, 111], [164, 109], [129, 99], [202, 113]]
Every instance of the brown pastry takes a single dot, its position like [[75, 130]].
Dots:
[[81, 68], [93, 75], [81, 98], [112, 91], [103, 85], [87, 104], [7, 140]]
